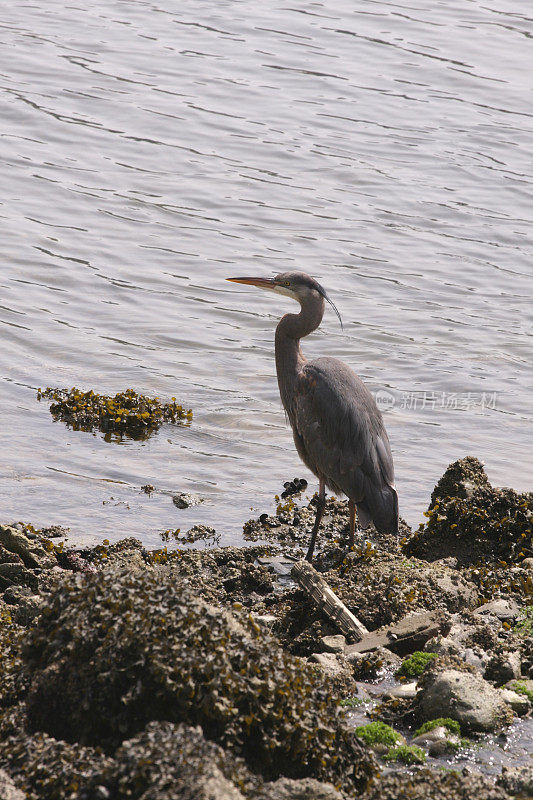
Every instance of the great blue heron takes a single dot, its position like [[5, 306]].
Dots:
[[338, 429]]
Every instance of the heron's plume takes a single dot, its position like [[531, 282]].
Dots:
[[332, 304]]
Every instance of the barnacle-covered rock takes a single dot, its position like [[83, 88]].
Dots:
[[168, 761], [12, 684], [32, 552], [136, 648], [473, 521], [47, 769], [127, 413], [517, 781], [303, 789], [427, 785]]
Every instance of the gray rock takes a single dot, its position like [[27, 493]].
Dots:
[[524, 683], [265, 619], [14, 595], [28, 609], [198, 533], [278, 566], [467, 698], [443, 645], [444, 747], [503, 609], [388, 660], [460, 592], [328, 662], [186, 500], [517, 780], [462, 641], [8, 556], [527, 563], [439, 741], [503, 667], [476, 658], [333, 644], [17, 575], [519, 702], [403, 690], [31, 552], [303, 789], [426, 784], [8, 790]]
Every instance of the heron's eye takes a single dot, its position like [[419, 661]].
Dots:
[[287, 283]]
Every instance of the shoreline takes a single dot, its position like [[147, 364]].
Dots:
[[266, 700]]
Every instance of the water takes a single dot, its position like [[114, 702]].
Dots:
[[150, 150]]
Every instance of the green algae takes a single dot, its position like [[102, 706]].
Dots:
[[351, 702], [414, 665], [524, 623], [451, 725], [126, 414], [520, 688], [377, 733], [407, 754]]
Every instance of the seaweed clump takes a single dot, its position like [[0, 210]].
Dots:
[[406, 754], [451, 725], [473, 521], [414, 665], [127, 413], [377, 733], [135, 648]]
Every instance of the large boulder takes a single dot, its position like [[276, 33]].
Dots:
[[465, 697], [472, 521], [114, 651]]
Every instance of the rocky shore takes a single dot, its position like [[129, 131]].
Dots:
[[211, 674]]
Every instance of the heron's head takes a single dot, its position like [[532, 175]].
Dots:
[[298, 285]]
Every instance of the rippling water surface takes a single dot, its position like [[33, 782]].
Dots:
[[150, 150]]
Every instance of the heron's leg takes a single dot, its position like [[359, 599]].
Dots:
[[321, 504], [351, 506]]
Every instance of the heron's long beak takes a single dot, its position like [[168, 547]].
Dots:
[[263, 283]]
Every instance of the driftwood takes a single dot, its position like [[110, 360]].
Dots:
[[403, 637], [327, 600]]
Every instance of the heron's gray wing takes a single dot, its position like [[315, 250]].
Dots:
[[343, 437]]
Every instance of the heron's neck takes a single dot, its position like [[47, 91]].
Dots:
[[289, 357]]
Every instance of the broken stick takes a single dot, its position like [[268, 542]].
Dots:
[[327, 600]]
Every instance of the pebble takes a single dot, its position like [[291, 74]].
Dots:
[[333, 644]]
